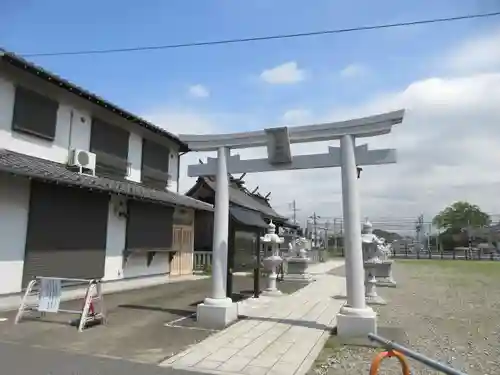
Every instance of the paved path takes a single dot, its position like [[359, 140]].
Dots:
[[282, 335]]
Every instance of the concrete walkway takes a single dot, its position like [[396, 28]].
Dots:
[[282, 335]]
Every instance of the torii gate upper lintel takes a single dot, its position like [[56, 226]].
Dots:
[[355, 318]]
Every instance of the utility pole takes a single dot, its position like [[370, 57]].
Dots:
[[418, 227], [335, 243], [294, 209], [315, 218], [327, 229]]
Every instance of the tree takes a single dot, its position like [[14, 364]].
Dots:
[[389, 236], [461, 215]]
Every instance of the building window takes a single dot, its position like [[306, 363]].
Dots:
[[155, 159], [149, 226], [34, 114], [66, 235], [110, 144]]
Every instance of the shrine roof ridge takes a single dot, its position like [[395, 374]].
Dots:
[[360, 127]]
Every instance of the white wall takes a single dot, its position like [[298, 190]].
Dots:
[[14, 206], [135, 157], [173, 169], [136, 264], [72, 130], [115, 240]]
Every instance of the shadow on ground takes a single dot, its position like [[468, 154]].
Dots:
[[135, 328], [293, 322]]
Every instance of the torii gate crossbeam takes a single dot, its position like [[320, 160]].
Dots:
[[355, 318]]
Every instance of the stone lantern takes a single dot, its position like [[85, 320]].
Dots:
[[298, 262], [271, 242], [372, 254]]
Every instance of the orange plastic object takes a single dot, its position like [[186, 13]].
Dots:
[[392, 353]]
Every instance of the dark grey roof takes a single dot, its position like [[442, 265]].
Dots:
[[49, 77], [247, 217], [49, 171], [241, 198]]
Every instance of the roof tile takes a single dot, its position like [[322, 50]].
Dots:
[[41, 169]]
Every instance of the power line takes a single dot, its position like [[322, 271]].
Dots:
[[266, 38]]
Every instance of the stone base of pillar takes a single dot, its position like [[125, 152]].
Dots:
[[375, 300], [216, 313], [297, 269], [353, 322], [307, 278], [384, 282], [271, 293], [383, 273], [371, 296]]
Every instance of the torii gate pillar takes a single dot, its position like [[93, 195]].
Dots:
[[355, 318], [217, 311]]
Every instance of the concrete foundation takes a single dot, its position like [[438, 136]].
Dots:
[[216, 314], [356, 322]]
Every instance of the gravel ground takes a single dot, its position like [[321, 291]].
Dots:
[[450, 311]]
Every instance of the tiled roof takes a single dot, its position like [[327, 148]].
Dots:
[[20, 63], [247, 217], [241, 198], [49, 171]]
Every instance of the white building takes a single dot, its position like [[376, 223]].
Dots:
[[87, 190]]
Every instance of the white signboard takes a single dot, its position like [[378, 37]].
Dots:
[[49, 298]]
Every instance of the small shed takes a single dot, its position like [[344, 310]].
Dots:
[[250, 214]]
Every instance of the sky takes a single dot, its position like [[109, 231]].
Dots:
[[446, 76]]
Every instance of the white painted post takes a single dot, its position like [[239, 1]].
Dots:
[[352, 225], [218, 311], [354, 319], [221, 227]]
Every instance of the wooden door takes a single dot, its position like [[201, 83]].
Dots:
[[182, 261]]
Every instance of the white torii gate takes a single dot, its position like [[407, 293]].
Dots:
[[355, 318]]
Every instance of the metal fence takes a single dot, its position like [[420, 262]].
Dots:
[[416, 238], [455, 254]]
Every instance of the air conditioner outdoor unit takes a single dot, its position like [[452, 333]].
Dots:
[[83, 160]]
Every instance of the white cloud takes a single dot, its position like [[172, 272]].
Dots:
[[353, 71], [448, 149], [481, 53], [286, 73], [298, 116], [199, 91]]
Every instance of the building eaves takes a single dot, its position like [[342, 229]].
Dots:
[[20, 63], [241, 198], [52, 172]]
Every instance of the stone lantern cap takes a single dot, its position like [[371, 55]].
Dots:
[[271, 236], [367, 227]]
